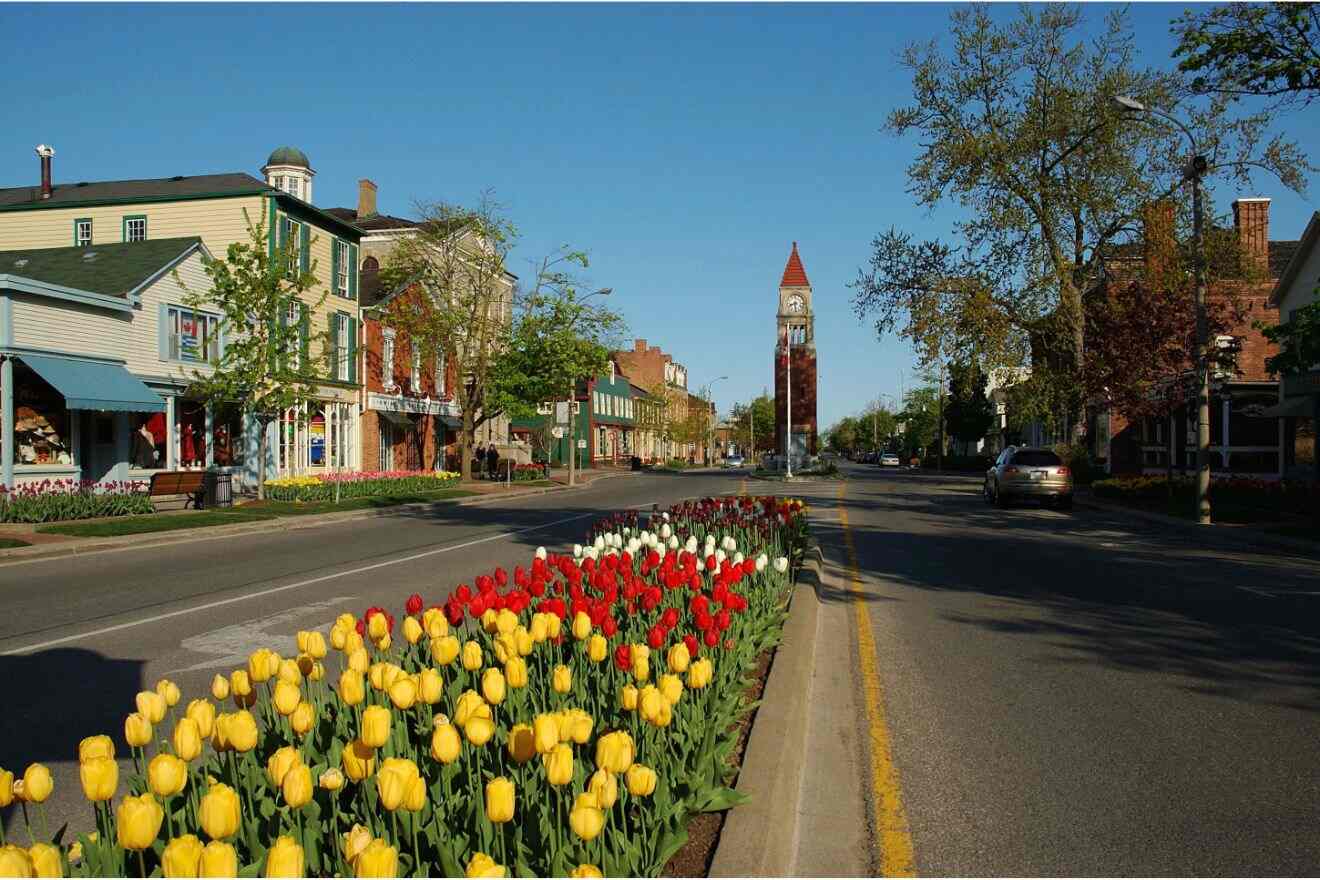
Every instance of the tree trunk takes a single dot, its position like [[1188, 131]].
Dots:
[[465, 441], [1072, 296], [261, 460]]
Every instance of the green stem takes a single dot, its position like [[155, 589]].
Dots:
[[142, 862]]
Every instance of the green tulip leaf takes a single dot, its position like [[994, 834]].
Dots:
[[671, 843], [719, 799]]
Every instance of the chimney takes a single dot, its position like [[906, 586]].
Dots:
[[46, 153], [639, 346], [1159, 241], [366, 199], [1251, 219]]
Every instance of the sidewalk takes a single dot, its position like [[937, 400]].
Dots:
[[46, 546]]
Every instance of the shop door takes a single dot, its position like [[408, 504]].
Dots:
[[98, 431]]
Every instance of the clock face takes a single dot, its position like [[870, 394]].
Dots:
[[795, 304]]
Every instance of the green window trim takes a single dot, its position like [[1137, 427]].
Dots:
[[129, 218], [76, 222]]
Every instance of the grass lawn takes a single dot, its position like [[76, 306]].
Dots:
[[252, 512], [6, 543]]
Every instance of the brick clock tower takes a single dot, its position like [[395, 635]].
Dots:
[[796, 333]]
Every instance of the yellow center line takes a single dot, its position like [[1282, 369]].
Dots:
[[893, 834]]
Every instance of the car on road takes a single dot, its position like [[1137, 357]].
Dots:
[[1023, 472], [889, 459], [733, 461]]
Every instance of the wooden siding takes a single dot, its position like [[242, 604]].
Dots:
[[219, 222]]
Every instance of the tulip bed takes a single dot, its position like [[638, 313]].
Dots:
[[56, 500], [359, 484], [570, 719]]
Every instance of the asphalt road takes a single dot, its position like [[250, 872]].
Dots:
[[1071, 694], [81, 635]]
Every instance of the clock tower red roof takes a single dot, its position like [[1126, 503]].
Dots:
[[794, 274]]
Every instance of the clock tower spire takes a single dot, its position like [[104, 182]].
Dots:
[[795, 361]]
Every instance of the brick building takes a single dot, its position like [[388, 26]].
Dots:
[[666, 380], [796, 341]]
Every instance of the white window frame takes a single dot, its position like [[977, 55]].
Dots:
[[441, 385], [343, 346], [78, 225], [343, 270], [387, 359], [545, 409], [293, 318], [209, 346], [130, 224], [415, 368]]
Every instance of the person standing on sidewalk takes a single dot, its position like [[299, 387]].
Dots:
[[492, 461]]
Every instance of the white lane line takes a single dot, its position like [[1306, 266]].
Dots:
[[39, 646]]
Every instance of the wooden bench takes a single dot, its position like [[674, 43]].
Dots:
[[187, 483]]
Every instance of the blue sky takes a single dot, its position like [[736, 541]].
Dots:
[[685, 147]]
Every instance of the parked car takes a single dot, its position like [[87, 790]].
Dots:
[[1028, 472], [889, 459], [733, 461]]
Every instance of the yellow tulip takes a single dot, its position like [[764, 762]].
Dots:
[[641, 668], [605, 786], [649, 702], [220, 733], [46, 860], [6, 788], [182, 857], [359, 760], [285, 859], [562, 679], [500, 795], [100, 778], [151, 706], [137, 822], [482, 865], [580, 724], [359, 661], [581, 625], [433, 621], [445, 744], [545, 730], [297, 786], [378, 627], [219, 812], [376, 724], [641, 780], [671, 688], [187, 739], [353, 641], [168, 691], [240, 688], [286, 697], [241, 731], [559, 765], [337, 636], [468, 703], [303, 718], [472, 659], [445, 649], [505, 621], [699, 673], [167, 775], [75, 849], [522, 743], [377, 859], [598, 648], [492, 686], [403, 693], [96, 747], [478, 730], [17, 862], [505, 648], [331, 780], [391, 788], [664, 715], [586, 818], [137, 729], [220, 687], [352, 689], [614, 752], [311, 642], [540, 628], [262, 664], [432, 687], [412, 630], [290, 671], [356, 840], [37, 783], [202, 714], [317, 673], [678, 658], [628, 698], [564, 725], [488, 621], [415, 799], [219, 859], [523, 640], [515, 672], [280, 763], [586, 871], [553, 625]]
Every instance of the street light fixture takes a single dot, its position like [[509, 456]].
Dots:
[[1195, 172]]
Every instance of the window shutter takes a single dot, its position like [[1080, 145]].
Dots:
[[284, 231], [332, 350], [304, 248], [353, 273], [334, 265], [163, 331], [304, 334], [352, 348]]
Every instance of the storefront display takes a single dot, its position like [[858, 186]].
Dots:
[[41, 421], [227, 436], [190, 428]]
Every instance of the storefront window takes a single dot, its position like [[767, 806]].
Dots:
[[41, 421], [288, 459], [146, 449], [316, 450], [190, 428], [227, 436]]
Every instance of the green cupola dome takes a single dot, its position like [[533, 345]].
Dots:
[[289, 156]]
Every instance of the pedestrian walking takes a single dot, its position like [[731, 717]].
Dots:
[[492, 461]]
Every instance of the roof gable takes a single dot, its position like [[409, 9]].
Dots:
[[110, 270]]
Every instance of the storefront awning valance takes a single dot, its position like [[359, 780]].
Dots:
[[397, 418], [451, 422], [97, 385]]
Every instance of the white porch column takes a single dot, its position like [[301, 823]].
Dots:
[[1223, 450], [7, 419], [209, 437], [171, 435]]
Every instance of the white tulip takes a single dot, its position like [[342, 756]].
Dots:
[[666, 516], [738, 558], [540, 553], [761, 562], [577, 551], [781, 564], [690, 545], [666, 531], [627, 530], [673, 542], [599, 543], [720, 557]]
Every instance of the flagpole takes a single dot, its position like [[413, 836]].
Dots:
[[788, 402]]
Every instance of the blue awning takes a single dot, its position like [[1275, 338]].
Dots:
[[95, 384]]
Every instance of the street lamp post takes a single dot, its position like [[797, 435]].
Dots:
[[572, 400], [1194, 172], [706, 396]]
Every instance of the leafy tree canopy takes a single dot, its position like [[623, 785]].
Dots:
[[1261, 49]]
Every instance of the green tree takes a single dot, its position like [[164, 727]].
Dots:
[[968, 410], [842, 437], [1298, 340], [1260, 49], [265, 366], [920, 419], [760, 436]]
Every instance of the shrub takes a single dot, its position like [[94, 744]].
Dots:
[[1078, 460], [526, 473], [1283, 496], [54, 500], [360, 484]]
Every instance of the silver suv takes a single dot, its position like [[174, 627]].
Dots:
[[1029, 472]]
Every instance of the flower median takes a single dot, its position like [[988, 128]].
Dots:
[[55, 500], [567, 720], [360, 484]]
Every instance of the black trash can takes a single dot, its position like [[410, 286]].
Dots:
[[218, 489]]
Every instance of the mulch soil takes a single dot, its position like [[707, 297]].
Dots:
[[694, 859]]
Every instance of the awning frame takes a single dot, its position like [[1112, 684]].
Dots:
[[145, 401]]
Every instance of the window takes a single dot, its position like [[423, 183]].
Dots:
[[611, 372], [545, 409], [441, 385], [292, 233], [82, 232], [342, 347], [415, 369], [192, 336], [341, 269], [227, 436], [135, 228], [602, 438], [293, 318], [387, 359]]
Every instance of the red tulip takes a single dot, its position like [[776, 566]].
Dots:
[[414, 604]]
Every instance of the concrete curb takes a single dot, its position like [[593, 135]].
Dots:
[[37, 552], [759, 838], [1244, 536]]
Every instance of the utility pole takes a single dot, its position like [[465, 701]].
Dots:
[[788, 403], [939, 452]]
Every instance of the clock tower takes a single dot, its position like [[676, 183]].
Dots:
[[795, 360]]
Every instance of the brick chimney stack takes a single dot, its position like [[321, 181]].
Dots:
[[366, 199], [1251, 219], [46, 154], [639, 345]]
